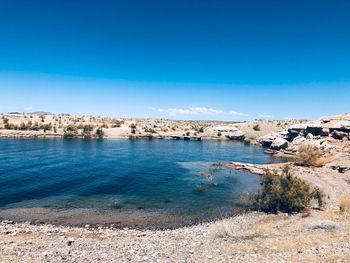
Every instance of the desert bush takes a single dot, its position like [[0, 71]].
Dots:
[[286, 193], [219, 134], [47, 127], [309, 155], [70, 132], [22, 126], [345, 204], [86, 131], [99, 133], [246, 141], [35, 127], [256, 127]]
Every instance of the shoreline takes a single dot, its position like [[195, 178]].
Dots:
[[311, 236]]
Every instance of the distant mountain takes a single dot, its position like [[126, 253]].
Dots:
[[40, 113]]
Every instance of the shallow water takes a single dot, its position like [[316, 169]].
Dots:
[[121, 181]]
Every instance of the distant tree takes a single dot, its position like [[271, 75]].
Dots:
[[35, 127], [256, 127], [70, 132], [99, 133], [22, 126], [47, 127], [86, 133]]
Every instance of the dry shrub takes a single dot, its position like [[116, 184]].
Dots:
[[224, 229], [310, 155], [323, 161], [345, 204]]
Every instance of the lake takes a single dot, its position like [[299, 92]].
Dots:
[[126, 183]]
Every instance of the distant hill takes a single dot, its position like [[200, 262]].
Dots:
[[40, 113]]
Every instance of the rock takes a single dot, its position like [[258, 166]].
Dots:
[[236, 136], [309, 136], [297, 128], [70, 241], [299, 140], [279, 143], [266, 141], [339, 135], [324, 225], [340, 169], [343, 126], [314, 128], [7, 222], [325, 132]]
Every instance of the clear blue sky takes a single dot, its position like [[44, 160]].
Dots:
[[219, 59]]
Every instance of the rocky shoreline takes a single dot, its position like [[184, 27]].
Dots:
[[252, 237]]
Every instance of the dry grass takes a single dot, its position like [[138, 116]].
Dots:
[[224, 229], [310, 155], [345, 205]]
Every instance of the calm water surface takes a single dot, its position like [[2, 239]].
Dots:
[[124, 182]]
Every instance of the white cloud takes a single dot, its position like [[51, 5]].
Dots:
[[239, 114], [28, 108], [265, 116], [198, 111]]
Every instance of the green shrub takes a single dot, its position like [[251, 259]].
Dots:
[[70, 132], [246, 142], [99, 133], [22, 126], [286, 193]]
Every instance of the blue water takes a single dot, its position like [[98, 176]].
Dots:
[[77, 181]]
